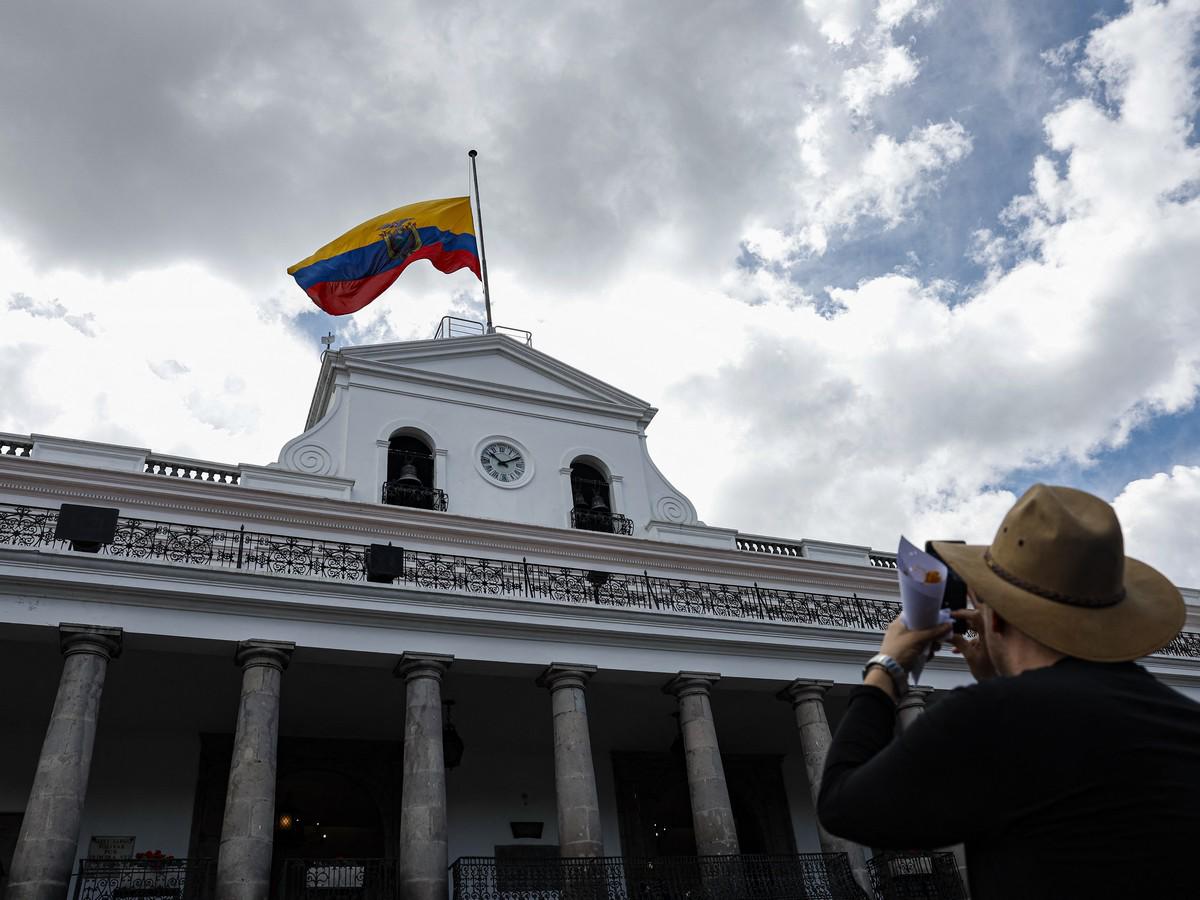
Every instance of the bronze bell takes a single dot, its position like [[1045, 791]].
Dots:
[[408, 475], [598, 504]]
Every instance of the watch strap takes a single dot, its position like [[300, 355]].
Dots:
[[894, 669]]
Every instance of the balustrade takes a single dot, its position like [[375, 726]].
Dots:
[[228, 548]]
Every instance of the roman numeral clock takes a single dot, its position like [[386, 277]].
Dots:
[[504, 462]]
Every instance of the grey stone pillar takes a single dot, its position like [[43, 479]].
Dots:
[[248, 828], [423, 794], [45, 853], [807, 696], [574, 774], [712, 814], [908, 710], [911, 705]]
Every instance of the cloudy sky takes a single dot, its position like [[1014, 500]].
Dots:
[[888, 263]]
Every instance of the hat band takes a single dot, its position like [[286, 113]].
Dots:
[[1056, 596]]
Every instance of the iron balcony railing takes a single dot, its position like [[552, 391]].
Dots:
[[399, 493], [274, 554], [145, 879], [340, 879], [916, 876], [818, 876], [601, 520]]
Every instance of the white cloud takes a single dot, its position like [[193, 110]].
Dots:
[[892, 68], [53, 309], [168, 368], [1159, 516], [902, 412], [97, 386]]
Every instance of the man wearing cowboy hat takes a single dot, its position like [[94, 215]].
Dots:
[[1067, 770]]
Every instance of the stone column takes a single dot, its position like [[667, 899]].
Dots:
[[712, 814], [807, 696], [248, 828], [574, 774], [911, 705], [45, 853], [908, 710], [423, 794]]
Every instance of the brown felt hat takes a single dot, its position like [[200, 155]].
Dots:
[[1057, 570]]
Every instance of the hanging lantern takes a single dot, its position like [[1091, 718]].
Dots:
[[452, 744]]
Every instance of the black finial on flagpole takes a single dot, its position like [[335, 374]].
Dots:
[[487, 296]]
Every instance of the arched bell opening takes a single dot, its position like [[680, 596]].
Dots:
[[591, 501], [410, 474]]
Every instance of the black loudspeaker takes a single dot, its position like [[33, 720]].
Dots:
[[385, 563], [86, 527], [526, 829]]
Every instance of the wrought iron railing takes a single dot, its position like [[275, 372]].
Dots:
[[601, 520], [399, 493], [916, 876], [340, 879], [228, 548], [145, 879], [819, 876]]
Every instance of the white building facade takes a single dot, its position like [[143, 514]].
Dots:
[[462, 638]]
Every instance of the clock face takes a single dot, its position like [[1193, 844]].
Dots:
[[503, 462]]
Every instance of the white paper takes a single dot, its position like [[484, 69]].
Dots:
[[920, 600]]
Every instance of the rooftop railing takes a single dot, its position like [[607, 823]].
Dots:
[[192, 469], [288, 555], [453, 326]]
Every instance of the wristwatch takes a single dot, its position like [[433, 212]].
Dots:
[[893, 668]]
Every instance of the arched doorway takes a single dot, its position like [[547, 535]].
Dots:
[[322, 814]]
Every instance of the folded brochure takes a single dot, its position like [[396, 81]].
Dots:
[[922, 586]]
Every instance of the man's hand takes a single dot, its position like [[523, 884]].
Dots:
[[974, 651], [906, 646]]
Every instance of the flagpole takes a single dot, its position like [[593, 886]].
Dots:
[[487, 296]]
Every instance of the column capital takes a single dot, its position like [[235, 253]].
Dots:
[[805, 689], [273, 654], [422, 665], [564, 675], [97, 639], [914, 698], [685, 684]]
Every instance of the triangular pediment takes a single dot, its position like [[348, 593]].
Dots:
[[497, 362]]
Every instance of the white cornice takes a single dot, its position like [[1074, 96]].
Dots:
[[401, 354], [397, 379], [50, 575], [101, 579], [177, 499], [392, 362]]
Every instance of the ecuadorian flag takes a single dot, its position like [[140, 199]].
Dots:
[[351, 271]]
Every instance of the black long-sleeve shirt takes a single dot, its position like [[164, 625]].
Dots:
[[1076, 780]]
